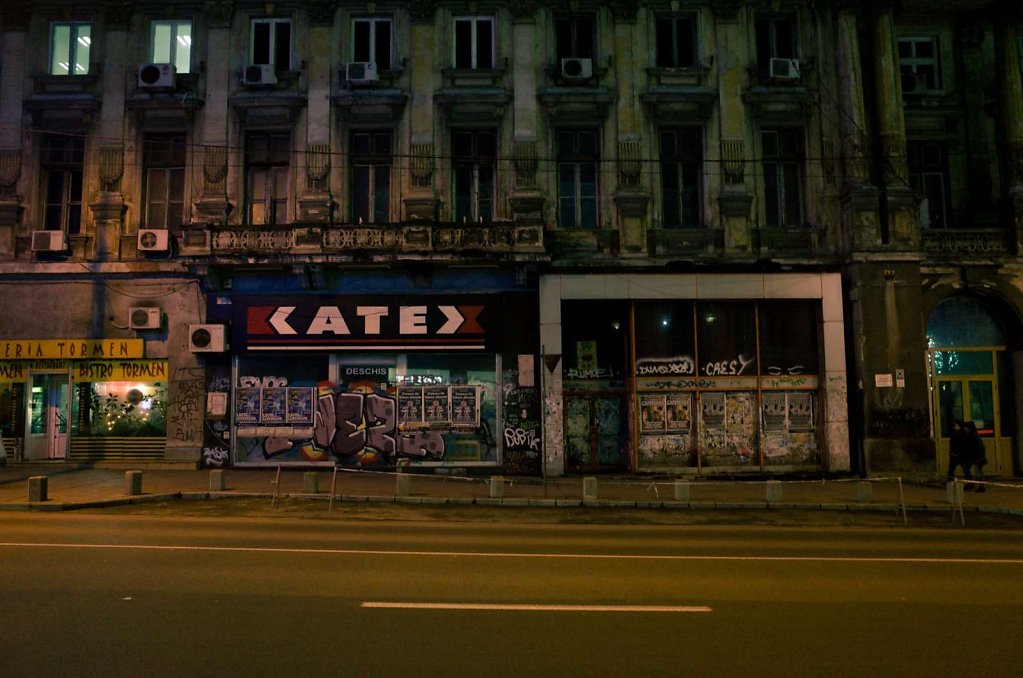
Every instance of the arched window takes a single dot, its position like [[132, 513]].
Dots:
[[963, 321]]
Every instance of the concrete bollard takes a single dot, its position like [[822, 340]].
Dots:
[[310, 482], [864, 491], [404, 485], [773, 490], [37, 488], [589, 488], [681, 490], [133, 483], [217, 480], [496, 487]]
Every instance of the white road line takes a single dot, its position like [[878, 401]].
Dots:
[[503, 607], [498, 554]]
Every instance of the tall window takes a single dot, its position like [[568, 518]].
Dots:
[[70, 47], [783, 177], [681, 160], [474, 158], [267, 157], [927, 162], [163, 159], [577, 156], [63, 160], [918, 64], [474, 42], [676, 41], [271, 43], [776, 39], [372, 158], [371, 41], [574, 37], [171, 43]]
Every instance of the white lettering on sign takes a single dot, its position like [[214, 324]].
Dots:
[[372, 316], [454, 321], [279, 320], [728, 367], [412, 319], [328, 319]]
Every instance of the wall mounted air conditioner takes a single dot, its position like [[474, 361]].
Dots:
[[207, 338], [157, 76], [577, 69], [783, 69], [48, 241], [154, 240], [361, 72], [259, 74], [144, 318]]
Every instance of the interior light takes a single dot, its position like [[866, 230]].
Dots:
[[84, 40], [185, 40], [665, 322], [617, 325], [64, 65]]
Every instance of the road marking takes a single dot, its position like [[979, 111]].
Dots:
[[504, 607], [499, 554]]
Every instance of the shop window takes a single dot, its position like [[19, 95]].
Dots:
[[119, 409], [574, 37], [964, 321], [681, 170], [776, 39], [163, 158], [267, 169], [676, 41], [475, 154], [726, 339], [578, 157], [783, 177], [371, 41], [63, 159], [664, 339], [474, 42], [927, 162], [594, 336], [70, 48], [371, 157], [918, 64], [788, 337], [171, 43], [270, 43]]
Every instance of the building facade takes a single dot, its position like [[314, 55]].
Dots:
[[540, 237]]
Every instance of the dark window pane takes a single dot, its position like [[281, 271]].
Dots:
[[788, 337], [383, 45], [463, 192], [665, 46], [563, 38], [261, 43], [784, 47], [382, 143], [587, 144], [566, 195], [566, 145], [793, 195], [664, 338], [670, 189], [726, 338], [764, 50], [463, 43], [360, 193], [584, 38], [361, 144], [487, 142], [486, 192], [360, 41], [484, 44], [594, 339], [282, 51], [382, 194], [771, 200]]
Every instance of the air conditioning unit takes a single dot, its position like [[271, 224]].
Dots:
[[154, 240], [784, 69], [361, 73], [207, 338], [157, 76], [48, 241], [914, 83], [577, 69], [259, 74], [144, 318]]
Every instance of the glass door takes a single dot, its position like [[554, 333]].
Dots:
[[46, 436], [972, 398]]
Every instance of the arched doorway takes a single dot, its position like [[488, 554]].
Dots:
[[971, 376]]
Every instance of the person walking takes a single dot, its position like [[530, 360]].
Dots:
[[976, 454], [958, 451]]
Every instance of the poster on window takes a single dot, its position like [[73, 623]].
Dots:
[[712, 410], [300, 405], [435, 405], [678, 413], [275, 406], [739, 412], [247, 405], [775, 408], [465, 406], [651, 413], [801, 412], [410, 405]]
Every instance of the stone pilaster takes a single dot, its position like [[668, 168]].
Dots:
[[731, 58], [1011, 96]]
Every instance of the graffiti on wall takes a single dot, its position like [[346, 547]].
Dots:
[[522, 442], [184, 412]]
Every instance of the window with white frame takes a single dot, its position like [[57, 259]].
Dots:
[[163, 161], [371, 41], [372, 158], [927, 163], [267, 170], [782, 151], [70, 47], [776, 39], [270, 43], [474, 156], [474, 42], [681, 169], [578, 157], [171, 43], [574, 37], [63, 160], [676, 41], [918, 64]]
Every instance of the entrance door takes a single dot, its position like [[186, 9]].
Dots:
[[973, 398], [594, 433], [46, 436]]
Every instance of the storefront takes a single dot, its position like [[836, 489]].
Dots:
[[82, 400]]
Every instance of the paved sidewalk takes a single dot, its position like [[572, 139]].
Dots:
[[70, 487]]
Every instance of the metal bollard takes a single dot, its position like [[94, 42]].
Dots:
[[950, 492], [133, 483], [773, 490], [37, 488], [403, 486], [589, 488], [682, 490], [217, 480], [864, 491], [496, 487], [310, 482]]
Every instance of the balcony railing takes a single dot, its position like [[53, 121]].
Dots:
[[972, 242]]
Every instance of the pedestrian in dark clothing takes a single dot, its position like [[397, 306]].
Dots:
[[976, 454], [958, 451]]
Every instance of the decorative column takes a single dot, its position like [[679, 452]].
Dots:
[[315, 203], [631, 198], [1011, 97], [526, 200], [213, 204], [421, 201]]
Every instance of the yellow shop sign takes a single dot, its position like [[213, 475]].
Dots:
[[87, 370], [70, 349]]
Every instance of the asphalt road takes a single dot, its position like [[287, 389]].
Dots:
[[143, 595]]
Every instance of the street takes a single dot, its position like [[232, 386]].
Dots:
[[140, 595]]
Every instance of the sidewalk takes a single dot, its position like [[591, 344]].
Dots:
[[70, 488]]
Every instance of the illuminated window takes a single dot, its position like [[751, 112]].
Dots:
[[70, 47], [171, 43]]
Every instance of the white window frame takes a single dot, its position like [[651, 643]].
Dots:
[[79, 43], [784, 162], [272, 47], [371, 23], [474, 22], [178, 50], [914, 64]]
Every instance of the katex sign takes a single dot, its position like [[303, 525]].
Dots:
[[361, 323]]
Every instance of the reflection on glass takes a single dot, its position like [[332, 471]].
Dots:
[[950, 405], [982, 407], [963, 362]]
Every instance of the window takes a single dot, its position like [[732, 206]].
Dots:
[[171, 43], [681, 163], [577, 158], [63, 159], [927, 163], [266, 166], [676, 41], [271, 43], [474, 42], [783, 177], [776, 39], [474, 158], [918, 64], [70, 46], [371, 176], [163, 158], [371, 41], [574, 37]]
